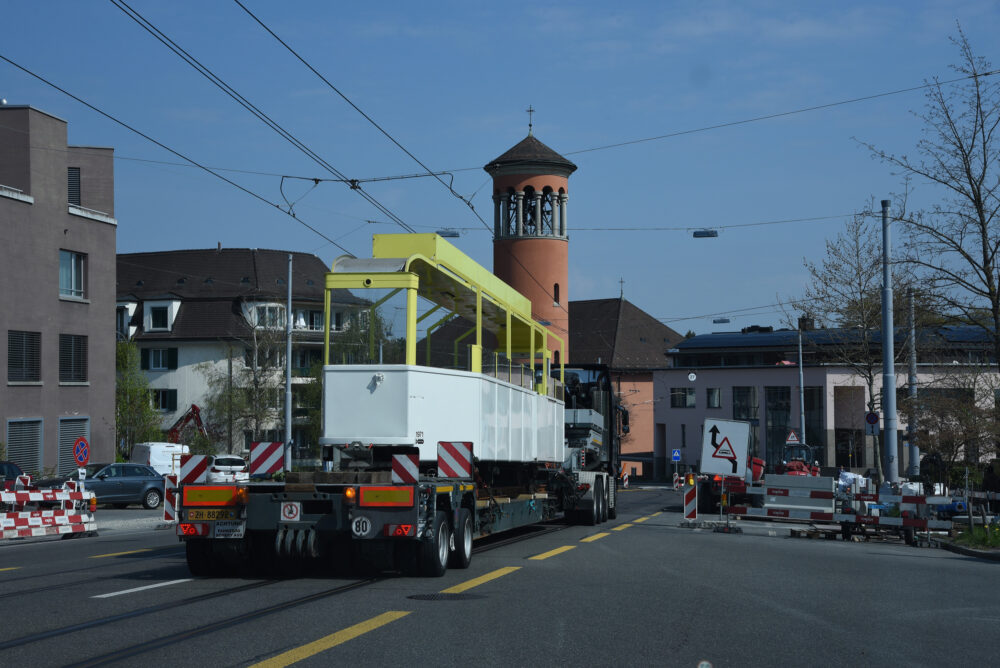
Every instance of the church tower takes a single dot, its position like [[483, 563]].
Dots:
[[530, 242]]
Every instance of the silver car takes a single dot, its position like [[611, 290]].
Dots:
[[228, 468]]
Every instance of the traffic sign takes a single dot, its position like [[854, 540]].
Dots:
[[724, 447], [871, 418], [675, 455], [792, 438], [81, 451], [871, 422]]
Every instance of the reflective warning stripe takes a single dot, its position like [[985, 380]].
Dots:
[[691, 502], [455, 459], [87, 524], [48, 495], [194, 468], [169, 498], [405, 469], [266, 457]]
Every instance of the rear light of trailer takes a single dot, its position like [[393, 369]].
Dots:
[[400, 530], [717, 477], [382, 497], [192, 529], [214, 495], [583, 487]]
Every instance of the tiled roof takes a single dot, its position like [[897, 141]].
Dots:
[[619, 334], [784, 338]]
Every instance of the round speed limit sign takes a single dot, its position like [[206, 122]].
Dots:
[[361, 526]]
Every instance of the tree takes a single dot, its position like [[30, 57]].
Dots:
[[953, 244], [246, 391], [136, 420], [845, 294]]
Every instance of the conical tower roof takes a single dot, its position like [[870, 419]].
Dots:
[[531, 152]]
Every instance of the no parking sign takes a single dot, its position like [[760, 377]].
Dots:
[[81, 451]]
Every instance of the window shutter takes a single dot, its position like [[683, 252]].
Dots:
[[171, 400], [144, 359], [171, 358], [74, 185]]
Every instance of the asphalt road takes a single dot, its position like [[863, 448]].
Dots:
[[639, 590]]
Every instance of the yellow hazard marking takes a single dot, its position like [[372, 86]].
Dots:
[[552, 553], [332, 640], [442, 489], [475, 582], [640, 520], [119, 554], [596, 536], [622, 527], [10, 568], [659, 512]]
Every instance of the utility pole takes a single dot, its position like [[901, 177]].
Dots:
[[802, 392], [888, 355], [911, 425], [288, 372]]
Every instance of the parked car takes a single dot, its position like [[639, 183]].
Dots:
[[228, 468], [59, 481], [8, 475], [123, 484], [164, 457]]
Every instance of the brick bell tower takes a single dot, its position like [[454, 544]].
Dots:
[[530, 242]]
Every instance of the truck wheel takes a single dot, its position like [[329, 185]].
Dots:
[[604, 504], [434, 553], [613, 493], [152, 499], [594, 517], [462, 556], [199, 557]]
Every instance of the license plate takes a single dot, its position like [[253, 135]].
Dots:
[[214, 514], [229, 529]]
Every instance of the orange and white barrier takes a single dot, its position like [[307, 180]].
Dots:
[[691, 502], [169, 498]]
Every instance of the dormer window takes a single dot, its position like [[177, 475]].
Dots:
[[158, 317], [271, 316]]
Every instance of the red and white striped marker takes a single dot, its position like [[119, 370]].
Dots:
[[266, 457], [194, 469], [691, 502], [455, 459], [405, 469], [169, 498], [23, 482]]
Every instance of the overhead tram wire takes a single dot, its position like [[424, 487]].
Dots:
[[253, 109], [467, 202], [176, 153]]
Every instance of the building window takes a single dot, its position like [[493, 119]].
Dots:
[[121, 323], [270, 316], [71, 268], [158, 317], [24, 357], [555, 294], [814, 422], [777, 414], [157, 359], [684, 436], [316, 320], [24, 444], [73, 182], [713, 397], [745, 408], [72, 358], [164, 400], [682, 397], [338, 321], [263, 358]]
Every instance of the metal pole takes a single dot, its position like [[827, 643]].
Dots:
[[888, 355], [911, 425], [288, 372], [802, 392]]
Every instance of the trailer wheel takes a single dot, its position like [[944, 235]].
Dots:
[[594, 517], [613, 493], [462, 556], [604, 504], [434, 553]]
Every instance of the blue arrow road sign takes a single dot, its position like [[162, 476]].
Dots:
[[675, 455]]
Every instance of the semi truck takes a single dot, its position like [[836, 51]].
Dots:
[[477, 428]]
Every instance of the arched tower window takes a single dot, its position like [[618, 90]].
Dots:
[[531, 223], [555, 358], [548, 206], [555, 294], [510, 221]]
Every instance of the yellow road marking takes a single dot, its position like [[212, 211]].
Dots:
[[475, 582], [118, 554], [332, 640], [10, 568], [552, 553], [640, 520], [659, 512], [596, 536], [622, 527]]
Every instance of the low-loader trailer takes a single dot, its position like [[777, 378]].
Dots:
[[478, 431]]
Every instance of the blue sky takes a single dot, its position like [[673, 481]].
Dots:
[[450, 81]]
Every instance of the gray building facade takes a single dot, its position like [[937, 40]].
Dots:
[[57, 273]]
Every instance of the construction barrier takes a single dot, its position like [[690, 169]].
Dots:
[[23, 519], [691, 502], [194, 469], [169, 498], [266, 457]]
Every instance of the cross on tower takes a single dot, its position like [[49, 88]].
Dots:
[[531, 111]]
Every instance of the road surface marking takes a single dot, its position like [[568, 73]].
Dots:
[[622, 527], [330, 641], [119, 554], [552, 553], [659, 512], [596, 536], [475, 582], [153, 586], [641, 519], [772, 533], [10, 568]]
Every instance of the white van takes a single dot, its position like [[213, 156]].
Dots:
[[164, 457]]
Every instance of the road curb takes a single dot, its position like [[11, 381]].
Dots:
[[992, 555]]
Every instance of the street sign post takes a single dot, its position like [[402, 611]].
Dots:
[[871, 423]]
